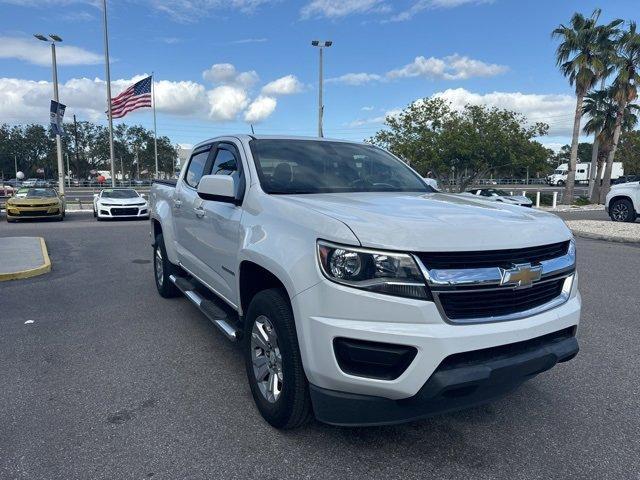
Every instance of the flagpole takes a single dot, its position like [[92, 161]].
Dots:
[[108, 74], [155, 132]]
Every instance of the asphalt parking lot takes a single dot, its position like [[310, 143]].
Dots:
[[110, 381]]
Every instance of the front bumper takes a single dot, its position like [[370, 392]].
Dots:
[[123, 211], [328, 311], [461, 381], [18, 213]]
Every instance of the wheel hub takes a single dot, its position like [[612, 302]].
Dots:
[[267, 360], [159, 267]]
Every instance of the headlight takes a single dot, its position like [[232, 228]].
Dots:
[[371, 270]]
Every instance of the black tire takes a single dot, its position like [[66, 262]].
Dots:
[[622, 211], [165, 286], [560, 183], [292, 408], [95, 214]]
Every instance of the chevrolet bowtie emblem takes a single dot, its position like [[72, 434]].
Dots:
[[521, 275]]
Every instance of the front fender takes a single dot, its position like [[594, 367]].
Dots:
[[161, 213]]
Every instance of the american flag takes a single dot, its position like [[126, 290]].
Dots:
[[136, 96]]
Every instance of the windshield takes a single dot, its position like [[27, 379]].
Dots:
[[312, 166], [36, 193], [560, 171], [119, 194]]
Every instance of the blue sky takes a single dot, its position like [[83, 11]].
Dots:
[[223, 63]]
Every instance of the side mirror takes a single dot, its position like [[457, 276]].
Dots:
[[219, 188]]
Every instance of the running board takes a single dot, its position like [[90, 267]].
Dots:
[[213, 312]]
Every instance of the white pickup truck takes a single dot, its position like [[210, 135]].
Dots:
[[357, 292]]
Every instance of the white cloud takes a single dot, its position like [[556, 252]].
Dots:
[[554, 109], [367, 108], [421, 5], [39, 53], [183, 11], [341, 8], [28, 100], [190, 11], [242, 41], [226, 102], [452, 67], [227, 74], [179, 98], [356, 79], [286, 85], [261, 108]]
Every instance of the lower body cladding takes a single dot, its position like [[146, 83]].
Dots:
[[123, 212], [373, 359]]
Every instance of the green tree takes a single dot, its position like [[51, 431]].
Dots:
[[584, 152], [625, 91], [582, 56], [459, 147], [601, 108], [629, 152]]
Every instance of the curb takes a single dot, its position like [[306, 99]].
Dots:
[[608, 238], [33, 272]]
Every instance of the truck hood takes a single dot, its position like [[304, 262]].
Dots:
[[436, 221]]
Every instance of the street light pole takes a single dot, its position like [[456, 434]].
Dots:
[[321, 46], [108, 75], [53, 39]]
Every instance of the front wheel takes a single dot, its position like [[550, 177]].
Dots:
[[163, 269], [273, 362], [622, 211]]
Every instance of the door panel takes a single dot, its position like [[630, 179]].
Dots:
[[218, 232], [185, 219]]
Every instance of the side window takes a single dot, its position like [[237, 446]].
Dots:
[[227, 162], [196, 168]]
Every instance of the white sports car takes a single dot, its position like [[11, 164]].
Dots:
[[496, 195], [120, 203]]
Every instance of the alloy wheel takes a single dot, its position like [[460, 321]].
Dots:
[[620, 212], [266, 359], [159, 267]]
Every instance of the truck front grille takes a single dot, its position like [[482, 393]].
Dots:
[[498, 302], [499, 285], [493, 258]]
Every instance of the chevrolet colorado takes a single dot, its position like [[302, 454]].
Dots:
[[359, 293]]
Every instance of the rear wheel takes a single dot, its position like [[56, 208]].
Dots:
[[622, 211], [163, 269], [273, 362], [560, 183]]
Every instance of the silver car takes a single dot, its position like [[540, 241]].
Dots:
[[496, 195]]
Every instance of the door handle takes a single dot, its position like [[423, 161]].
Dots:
[[177, 203], [199, 212]]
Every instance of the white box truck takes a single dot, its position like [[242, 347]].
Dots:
[[559, 175]]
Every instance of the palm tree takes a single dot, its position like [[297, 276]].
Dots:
[[580, 58], [625, 91], [601, 108]]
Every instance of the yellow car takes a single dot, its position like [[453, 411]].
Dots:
[[35, 203]]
